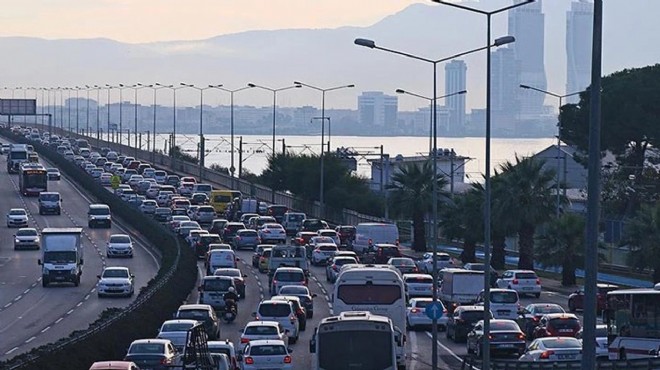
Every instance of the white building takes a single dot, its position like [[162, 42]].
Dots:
[[377, 109], [579, 28], [455, 77]]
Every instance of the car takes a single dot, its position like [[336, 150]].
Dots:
[[218, 226], [204, 242], [106, 179], [203, 313], [602, 349], [425, 264], [148, 206], [505, 336], [176, 220], [176, 331], [255, 330], [277, 211], [115, 281], [185, 189], [212, 291], [237, 275], [482, 267], [193, 237], [322, 253], [282, 312], [331, 233], [335, 264], [205, 214], [462, 320], [119, 189], [260, 354], [557, 325], [128, 174], [418, 285], [264, 260], [386, 251], [163, 214], [185, 227], [287, 276], [17, 217], [273, 233], [148, 172], [172, 180], [160, 176], [416, 314], [155, 354], [199, 199], [258, 252], [119, 245], [504, 303], [245, 239], [230, 230], [303, 237], [405, 265], [257, 222], [530, 316], [142, 186], [163, 198], [53, 174], [26, 237], [302, 292], [114, 365], [127, 194], [152, 192], [226, 348], [553, 349], [315, 241], [313, 224], [576, 299], [298, 308], [346, 234], [522, 281]]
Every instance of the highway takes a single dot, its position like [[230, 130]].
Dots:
[[30, 315]]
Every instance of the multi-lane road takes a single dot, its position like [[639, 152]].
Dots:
[[31, 315]]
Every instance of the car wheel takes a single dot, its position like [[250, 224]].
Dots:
[[44, 282], [537, 295], [447, 334], [571, 305]]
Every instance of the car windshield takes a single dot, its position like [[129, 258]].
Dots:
[[403, 262], [547, 309], [193, 314], [565, 323], [26, 232], [275, 310], [120, 239], [248, 233], [472, 315], [344, 261], [163, 210], [100, 211], [563, 342], [327, 248], [504, 325], [60, 257], [525, 275], [217, 285], [176, 326], [261, 330], [503, 297], [50, 197], [424, 304], [232, 273], [147, 348], [328, 233], [115, 273], [294, 290], [295, 218], [17, 212], [419, 280], [267, 350], [289, 276]]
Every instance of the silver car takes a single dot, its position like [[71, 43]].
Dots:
[[205, 214], [148, 206], [115, 281], [17, 217], [119, 245], [26, 237], [246, 238]]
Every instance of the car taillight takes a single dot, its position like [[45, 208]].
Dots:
[[335, 268], [414, 310], [266, 231], [292, 318], [546, 355], [514, 281], [245, 340], [299, 311], [536, 318], [538, 281], [287, 359], [521, 336], [249, 360], [490, 336]]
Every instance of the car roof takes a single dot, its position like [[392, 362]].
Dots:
[[161, 341], [115, 268], [180, 321], [197, 306], [413, 276], [264, 342], [552, 316], [262, 323]]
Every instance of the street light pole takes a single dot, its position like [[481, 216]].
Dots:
[[98, 114], [322, 177], [560, 97], [487, 185], [274, 91], [434, 201], [153, 145], [173, 141], [87, 88], [108, 109], [232, 169], [77, 110]]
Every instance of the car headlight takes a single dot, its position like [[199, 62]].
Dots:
[[73, 271], [17, 241]]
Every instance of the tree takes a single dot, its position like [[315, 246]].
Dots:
[[525, 199], [462, 218], [411, 191], [642, 234], [562, 244]]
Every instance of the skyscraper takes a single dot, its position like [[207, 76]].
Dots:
[[526, 24], [505, 79], [579, 21], [455, 72], [377, 109]]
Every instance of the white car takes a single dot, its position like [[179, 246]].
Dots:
[[602, 350], [134, 180], [283, 312], [273, 233], [444, 260], [160, 176], [522, 281], [265, 354], [416, 314], [552, 349], [193, 236], [418, 285], [26, 237], [176, 331], [119, 245], [17, 217], [330, 233], [323, 252], [255, 330], [115, 281], [148, 206], [186, 227]]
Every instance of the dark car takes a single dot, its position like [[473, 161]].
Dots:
[[505, 336], [246, 238], [218, 226], [346, 234], [203, 243], [157, 354], [302, 292], [576, 300], [172, 180], [386, 251], [163, 214], [461, 322], [277, 211], [404, 264], [558, 325], [313, 224], [530, 316], [230, 230], [203, 313], [303, 237], [199, 199]]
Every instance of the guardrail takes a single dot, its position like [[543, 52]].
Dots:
[[641, 364]]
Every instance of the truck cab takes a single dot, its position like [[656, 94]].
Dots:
[[50, 202]]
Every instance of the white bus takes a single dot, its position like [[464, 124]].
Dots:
[[355, 340], [378, 289], [633, 321]]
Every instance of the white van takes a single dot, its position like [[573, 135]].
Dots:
[[220, 258], [292, 221], [373, 233], [504, 303]]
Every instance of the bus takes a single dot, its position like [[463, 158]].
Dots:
[[32, 179], [221, 199], [356, 340], [378, 289], [633, 323]]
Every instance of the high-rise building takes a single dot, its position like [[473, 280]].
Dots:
[[526, 24], [455, 77], [505, 81], [579, 21], [377, 109]]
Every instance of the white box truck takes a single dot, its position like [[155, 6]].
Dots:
[[62, 255], [369, 234], [460, 286]]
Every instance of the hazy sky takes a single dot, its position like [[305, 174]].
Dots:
[[138, 21]]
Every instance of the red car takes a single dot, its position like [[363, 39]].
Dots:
[[303, 237], [576, 300], [558, 325]]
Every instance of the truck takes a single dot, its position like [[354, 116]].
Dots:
[[460, 287], [287, 256], [18, 154], [62, 255]]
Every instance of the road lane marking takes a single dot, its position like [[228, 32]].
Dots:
[[58, 320], [11, 350], [45, 329], [31, 339], [454, 355]]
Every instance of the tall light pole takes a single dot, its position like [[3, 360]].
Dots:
[[173, 141], [78, 88], [137, 87], [401, 91], [121, 115], [274, 91], [322, 179], [153, 145], [68, 107], [232, 169], [109, 87], [98, 114], [560, 97], [201, 151], [487, 186], [87, 88], [434, 201]]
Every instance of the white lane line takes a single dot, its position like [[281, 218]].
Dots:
[[26, 291], [17, 298], [413, 349], [8, 304], [454, 355], [59, 320], [11, 350], [69, 311], [79, 304], [30, 340], [45, 329]]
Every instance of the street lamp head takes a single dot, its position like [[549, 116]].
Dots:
[[366, 43], [462, 92], [525, 86], [504, 40], [251, 85], [400, 91], [215, 86], [351, 85], [297, 85]]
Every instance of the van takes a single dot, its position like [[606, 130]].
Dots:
[[99, 214], [213, 289], [287, 276], [372, 233], [220, 258], [203, 188], [50, 202], [292, 221], [220, 199], [504, 303]]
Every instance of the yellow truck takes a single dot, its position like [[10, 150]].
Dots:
[[221, 199]]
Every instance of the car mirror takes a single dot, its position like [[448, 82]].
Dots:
[[245, 275], [132, 275], [314, 295], [254, 314], [98, 276]]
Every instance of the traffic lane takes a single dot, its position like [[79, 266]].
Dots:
[[80, 305]]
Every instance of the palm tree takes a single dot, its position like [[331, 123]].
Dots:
[[642, 234], [525, 199], [463, 219], [411, 192], [562, 244]]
